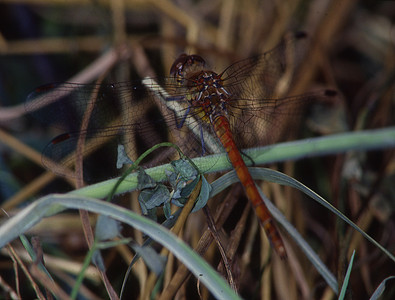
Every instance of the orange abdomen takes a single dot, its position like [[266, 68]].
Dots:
[[222, 130]]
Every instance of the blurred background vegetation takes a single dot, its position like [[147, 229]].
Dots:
[[353, 51]]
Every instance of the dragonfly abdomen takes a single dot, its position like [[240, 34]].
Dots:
[[222, 130]]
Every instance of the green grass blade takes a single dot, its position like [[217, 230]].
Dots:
[[280, 178], [337, 143], [53, 204], [380, 289], [231, 177], [347, 277]]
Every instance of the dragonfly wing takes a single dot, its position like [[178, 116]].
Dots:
[[271, 120], [259, 77], [61, 154], [258, 88], [63, 105], [129, 113]]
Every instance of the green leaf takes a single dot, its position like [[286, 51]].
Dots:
[[155, 197], [122, 157], [106, 228], [203, 196], [144, 180], [153, 260], [185, 169]]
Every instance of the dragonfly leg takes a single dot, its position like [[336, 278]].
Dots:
[[175, 98], [181, 123]]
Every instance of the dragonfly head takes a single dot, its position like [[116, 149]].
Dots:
[[185, 64]]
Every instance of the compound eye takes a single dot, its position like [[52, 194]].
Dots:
[[183, 61], [197, 59], [178, 64]]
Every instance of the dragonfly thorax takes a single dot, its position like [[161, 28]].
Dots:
[[207, 95]]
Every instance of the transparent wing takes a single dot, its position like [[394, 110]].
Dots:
[[141, 114], [130, 113]]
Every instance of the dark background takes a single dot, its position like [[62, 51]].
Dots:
[[44, 41]]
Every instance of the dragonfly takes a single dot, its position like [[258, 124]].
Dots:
[[204, 111]]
